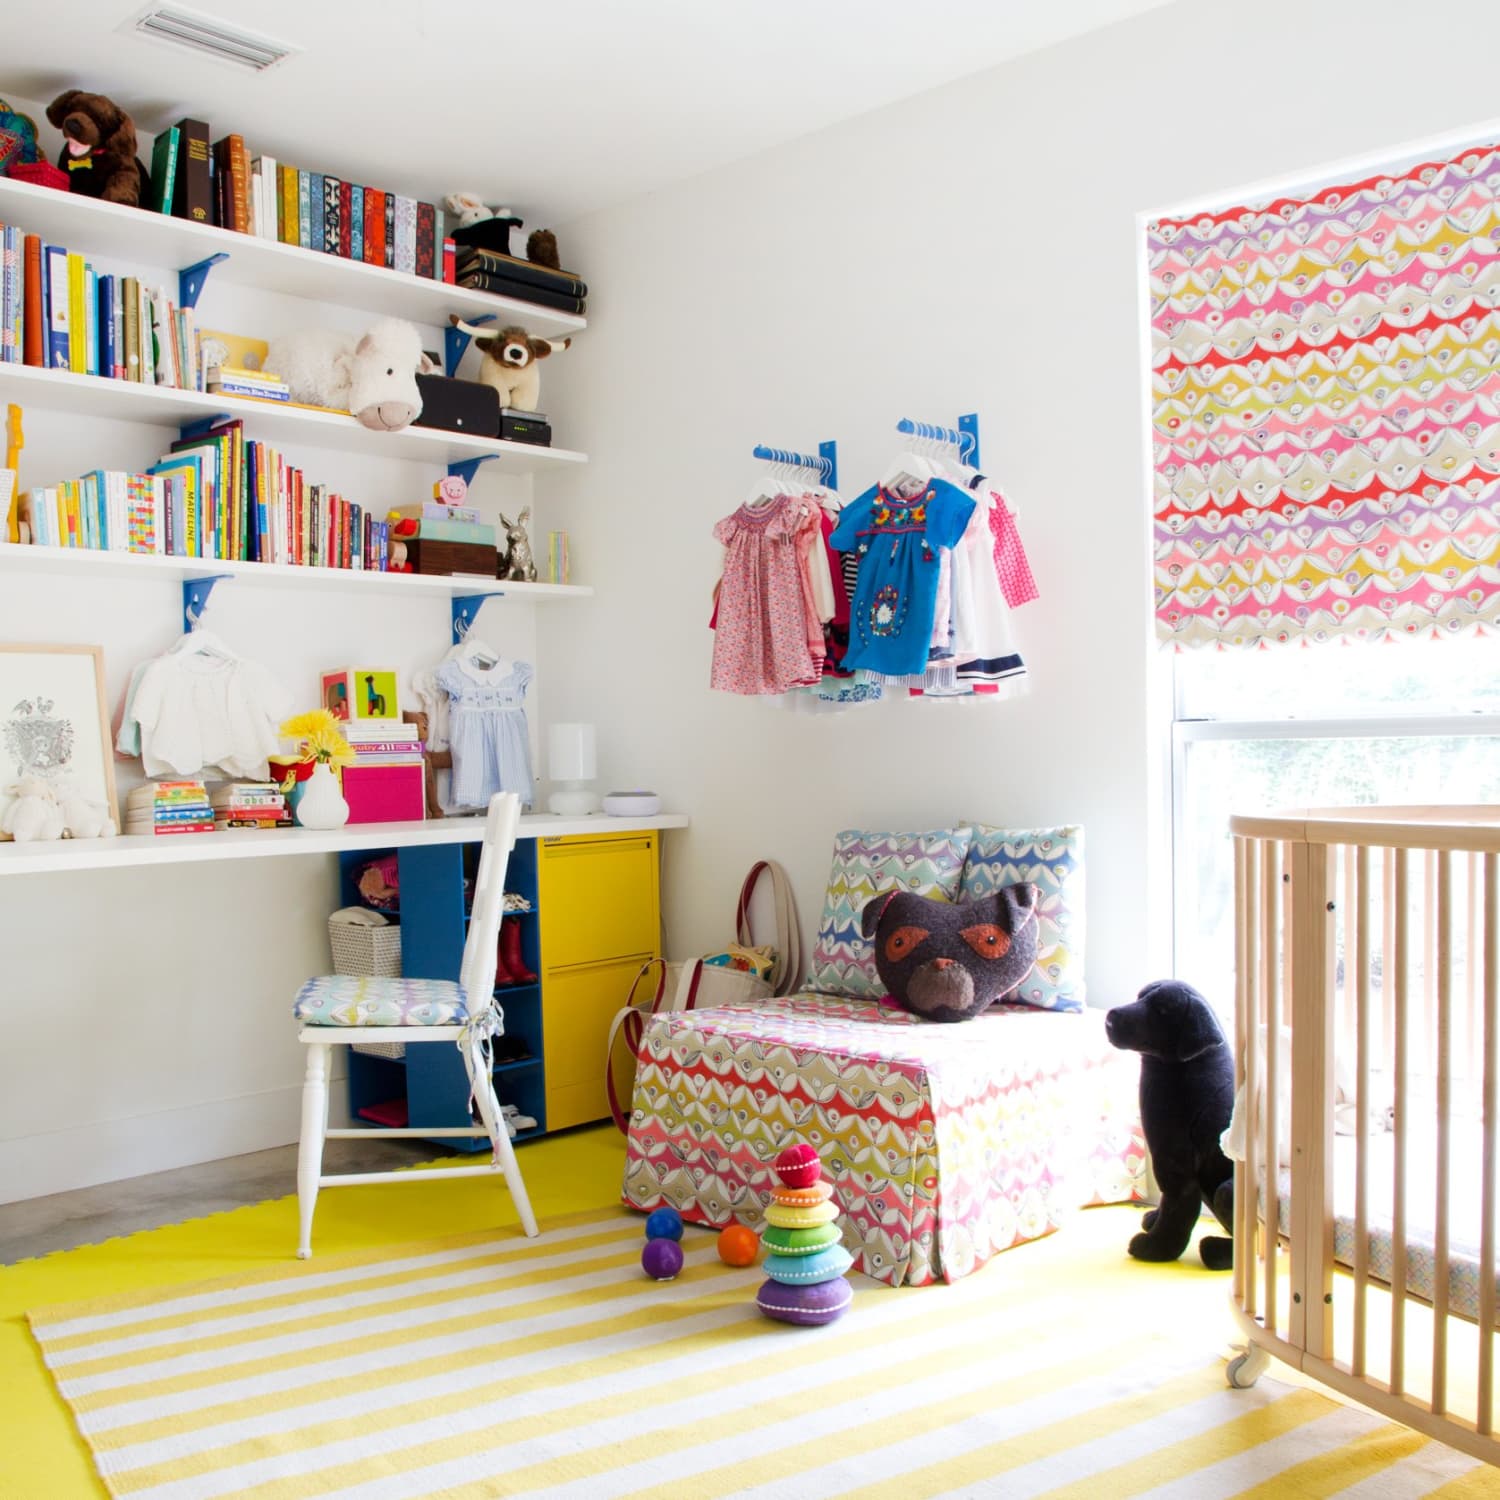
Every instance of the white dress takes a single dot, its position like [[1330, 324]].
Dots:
[[487, 730]]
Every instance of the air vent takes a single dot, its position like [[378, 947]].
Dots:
[[209, 36]]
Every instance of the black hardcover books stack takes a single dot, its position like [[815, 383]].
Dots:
[[490, 271]]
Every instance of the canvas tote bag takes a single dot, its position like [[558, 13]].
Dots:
[[742, 971]]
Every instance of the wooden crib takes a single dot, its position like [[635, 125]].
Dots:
[[1366, 942]]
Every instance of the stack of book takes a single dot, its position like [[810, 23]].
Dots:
[[169, 807], [506, 276], [383, 742], [439, 522], [231, 380], [249, 804]]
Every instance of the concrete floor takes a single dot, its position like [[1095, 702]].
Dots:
[[86, 1216]]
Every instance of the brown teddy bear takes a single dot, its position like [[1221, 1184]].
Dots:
[[99, 148]]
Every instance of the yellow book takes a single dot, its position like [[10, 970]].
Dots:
[[78, 360], [287, 220]]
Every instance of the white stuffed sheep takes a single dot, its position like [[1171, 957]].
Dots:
[[34, 814], [86, 818], [374, 377]]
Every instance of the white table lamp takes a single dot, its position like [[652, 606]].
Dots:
[[571, 766]]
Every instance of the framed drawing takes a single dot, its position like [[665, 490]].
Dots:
[[54, 723]]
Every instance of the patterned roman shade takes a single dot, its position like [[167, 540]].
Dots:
[[1325, 380]]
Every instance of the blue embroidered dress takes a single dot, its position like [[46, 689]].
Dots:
[[891, 614], [487, 730]]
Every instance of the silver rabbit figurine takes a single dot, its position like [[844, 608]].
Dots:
[[520, 566]]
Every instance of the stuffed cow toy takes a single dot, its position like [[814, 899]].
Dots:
[[373, 377], [1187, 1093], [949, 960]]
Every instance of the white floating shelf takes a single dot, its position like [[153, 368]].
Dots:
[[92, 563], [270, 421], [114, 231], [247, 843]]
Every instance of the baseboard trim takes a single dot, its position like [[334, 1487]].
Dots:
[[111, 1150]]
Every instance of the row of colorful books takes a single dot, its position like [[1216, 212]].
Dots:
[[163, 807], [216, 495], [383, 743], [249, 804], [57, 310]]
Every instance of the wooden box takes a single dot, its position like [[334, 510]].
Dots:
[[429, 556]]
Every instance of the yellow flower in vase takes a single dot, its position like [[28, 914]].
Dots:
[[318, 738]]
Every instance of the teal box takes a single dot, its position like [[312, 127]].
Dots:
[[477, 532]]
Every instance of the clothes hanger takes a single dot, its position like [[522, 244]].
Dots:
[[472, 647], [200, 642]]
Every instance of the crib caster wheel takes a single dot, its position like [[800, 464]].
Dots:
[[1245, 1369]]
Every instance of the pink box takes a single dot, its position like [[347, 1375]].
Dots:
[[384, 794]]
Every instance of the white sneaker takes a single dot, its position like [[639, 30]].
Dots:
[[515, 1120]]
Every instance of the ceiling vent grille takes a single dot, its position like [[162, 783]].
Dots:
[[210, 37]]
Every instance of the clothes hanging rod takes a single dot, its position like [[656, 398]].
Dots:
[[964, 437], [825, 460]]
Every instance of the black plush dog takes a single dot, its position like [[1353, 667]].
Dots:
[[1187, 1095]]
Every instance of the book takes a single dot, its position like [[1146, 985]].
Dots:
[[34, 332], [522, 292], [435, 510], [346, 217], [357, 222], [426, 251], [492, 262], [10, 294], [404, 255], [270, 197], [78, 361], [192, 190], [390, 230], [317, 203], [130, 297], [164, 168], [107, 326], [331, 205], [374, 226], [304, 209], [244, 388], [286, 219], [450, 268], [474, 532]]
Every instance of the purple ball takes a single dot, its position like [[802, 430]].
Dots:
[[661, 1260], [664, 1224]]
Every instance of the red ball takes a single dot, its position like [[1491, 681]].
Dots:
[[661, 1260], [739, 1246], [798, 1166]]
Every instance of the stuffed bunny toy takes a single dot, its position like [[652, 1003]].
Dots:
[[34, 814]]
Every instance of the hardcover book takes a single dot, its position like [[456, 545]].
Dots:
[[192, 191], [331, 206], [522, 292], [164, 168]]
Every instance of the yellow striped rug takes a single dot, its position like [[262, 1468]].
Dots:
[[491, 1365]]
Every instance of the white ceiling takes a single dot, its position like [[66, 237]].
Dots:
[[553, 107]]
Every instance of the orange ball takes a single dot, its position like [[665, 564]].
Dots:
[[739, 1246]]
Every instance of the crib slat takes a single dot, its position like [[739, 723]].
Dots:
[[1360, 905], [1243, 1278], [1270, 978], [1402, 1077], [1491, 1086], [1443, 946]]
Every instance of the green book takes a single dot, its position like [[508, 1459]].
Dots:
[[164, 168], [458, 531]]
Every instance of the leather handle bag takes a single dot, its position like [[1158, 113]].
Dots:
[[786, 969]]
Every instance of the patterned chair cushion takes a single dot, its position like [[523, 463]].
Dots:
[[369, 1000], [927, 864], [1051, 858]]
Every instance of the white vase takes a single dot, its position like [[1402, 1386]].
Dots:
[[322, 804]]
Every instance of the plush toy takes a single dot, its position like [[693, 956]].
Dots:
[[516, 562], [949, 960], [374, 377], [541, 249], [509, 362], [403, 530], [17, 139], [85, 818], [99, 148], [34, 814], [1187, 1091], [469, 208]]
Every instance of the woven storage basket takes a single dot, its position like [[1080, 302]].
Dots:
[[368, 950]]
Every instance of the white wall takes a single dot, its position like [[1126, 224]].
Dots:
[[971, 250], [145, 1014]]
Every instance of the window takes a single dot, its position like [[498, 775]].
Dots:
[[1258, 731]]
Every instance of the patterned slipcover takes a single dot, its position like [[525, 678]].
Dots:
[[944, 1144], [370, 1000]]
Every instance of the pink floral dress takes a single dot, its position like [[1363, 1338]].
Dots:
[[762, 639]]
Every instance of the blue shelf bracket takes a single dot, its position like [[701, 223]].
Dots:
[[465, 610], [191, 279], [195, 592], [829, 453], [969, 426], [456, 342], [467, 468]]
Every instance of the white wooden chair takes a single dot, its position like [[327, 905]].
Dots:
[[338, 1010]]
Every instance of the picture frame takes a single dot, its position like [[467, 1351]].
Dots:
[[54, 721]]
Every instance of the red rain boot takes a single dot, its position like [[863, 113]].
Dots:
[[503, 975], [510, 952]]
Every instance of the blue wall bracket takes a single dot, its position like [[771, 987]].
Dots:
[[467, 468], [191, 279], [195, 592], [456, 341], [825, 461], [465, 610], [970, 425]]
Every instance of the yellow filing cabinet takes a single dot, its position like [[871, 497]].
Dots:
[[599, 909]]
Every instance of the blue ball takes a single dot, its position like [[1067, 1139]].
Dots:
[[664, 1224]]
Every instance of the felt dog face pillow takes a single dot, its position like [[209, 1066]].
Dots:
[[945, 960]]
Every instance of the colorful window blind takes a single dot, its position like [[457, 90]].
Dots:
[[1326, 411]]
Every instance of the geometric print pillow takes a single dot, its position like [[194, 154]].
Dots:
[[927, 864], [1052, 859]]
